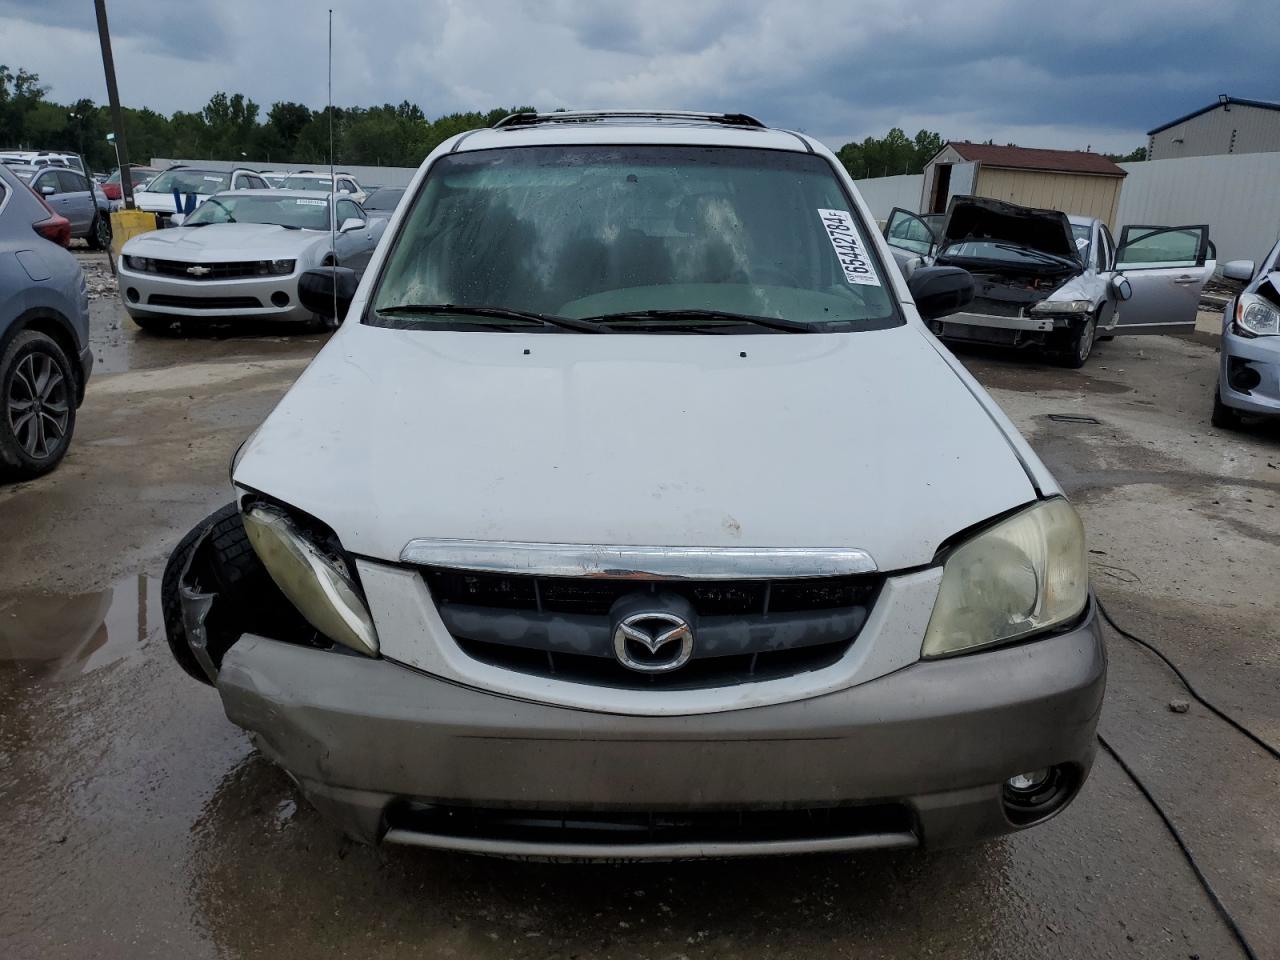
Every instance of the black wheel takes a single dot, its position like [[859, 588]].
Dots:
[[100, 233], [39, 394], [1223, 416], [232, 562], [160, 326], [1080, 345]]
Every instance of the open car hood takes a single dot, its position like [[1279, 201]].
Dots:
[[981, 218]]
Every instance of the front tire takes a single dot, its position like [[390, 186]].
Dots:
[[1080, 346], [1223, 417], [100, 233], [38, 393]]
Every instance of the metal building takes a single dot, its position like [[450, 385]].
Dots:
[[1073, 181], [1231, 125]]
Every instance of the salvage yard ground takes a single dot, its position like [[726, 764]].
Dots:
[[140, 823]]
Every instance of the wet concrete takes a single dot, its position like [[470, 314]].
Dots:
[[140, 823]]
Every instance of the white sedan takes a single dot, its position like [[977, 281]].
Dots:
[[240, 255]]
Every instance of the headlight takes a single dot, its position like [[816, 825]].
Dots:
[[1062, 306], [1256, 316], [278, 268], [1025, 574], [315, 582], [141, 264]]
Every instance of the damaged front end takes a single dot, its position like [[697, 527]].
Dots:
[[216, 589]]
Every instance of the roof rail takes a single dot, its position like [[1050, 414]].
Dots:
[[528, 119]]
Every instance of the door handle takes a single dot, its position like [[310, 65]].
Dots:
[[1186, 280]]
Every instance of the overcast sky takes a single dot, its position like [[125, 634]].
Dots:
[[1049, 73]]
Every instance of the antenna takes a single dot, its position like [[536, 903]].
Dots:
[[333, 183]]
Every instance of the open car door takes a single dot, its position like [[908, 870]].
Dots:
[[1167, 268], [908, 236]]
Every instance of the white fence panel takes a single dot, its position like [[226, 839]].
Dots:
[[882, 194], [1235, 194]]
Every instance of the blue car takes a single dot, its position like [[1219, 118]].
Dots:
[[45, 358], [1249, 365]]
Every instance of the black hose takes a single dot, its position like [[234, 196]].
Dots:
[[1218, 905], [1187, 683]]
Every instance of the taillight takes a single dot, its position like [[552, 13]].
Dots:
[[54, 227]]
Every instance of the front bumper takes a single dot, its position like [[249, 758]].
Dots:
[[1257, 354], [373, 744], [210, 298]]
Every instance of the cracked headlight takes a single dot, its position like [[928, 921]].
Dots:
[[1025, 574], [1256, 316], [315, 581], [1062, 306]]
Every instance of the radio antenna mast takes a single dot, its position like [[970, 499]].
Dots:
[[333, 183]]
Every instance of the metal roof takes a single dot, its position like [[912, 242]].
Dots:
[[1222, 101], [1029, 158]]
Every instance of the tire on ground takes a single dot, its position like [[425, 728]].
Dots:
[[15, 462]]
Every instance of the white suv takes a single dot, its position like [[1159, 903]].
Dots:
[[633, 512]]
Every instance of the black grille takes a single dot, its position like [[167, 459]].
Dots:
[[752, 630], [651, 827], [203, 303], [216, 271]]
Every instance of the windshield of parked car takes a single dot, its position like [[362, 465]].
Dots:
[[202, 182], [307, 182], [998, 250], [384, 199], [303, 213], [605, 232], [1082, 234], [26, 173]]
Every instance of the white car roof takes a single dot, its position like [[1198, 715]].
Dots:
[[275, 192], [619, 130]]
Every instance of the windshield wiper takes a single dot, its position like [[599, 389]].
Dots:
[[1014, 247], [704, 317], [498, 313]]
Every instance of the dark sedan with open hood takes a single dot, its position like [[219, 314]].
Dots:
[[1046, 279]]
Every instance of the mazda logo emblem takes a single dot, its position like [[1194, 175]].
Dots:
[[653, 641]]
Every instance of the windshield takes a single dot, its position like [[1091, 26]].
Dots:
[[203, 182], [386, 198], [305, 213], [588, 232], [308, 182], [1081, 233]]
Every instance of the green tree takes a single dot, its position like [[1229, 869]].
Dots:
[[1133, 156], [892, 154]]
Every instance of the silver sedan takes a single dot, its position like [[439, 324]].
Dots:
[[239, 255]]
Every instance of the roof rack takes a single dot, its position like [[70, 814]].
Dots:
[[528, 119]]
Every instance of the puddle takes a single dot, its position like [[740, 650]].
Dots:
[[60, 636]]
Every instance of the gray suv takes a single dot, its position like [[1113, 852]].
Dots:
[[44, 333]]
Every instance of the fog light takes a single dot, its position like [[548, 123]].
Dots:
[[1029, 782], [1241, 375], [280, 298], [132, 294]]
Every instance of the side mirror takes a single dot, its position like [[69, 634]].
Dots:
[[317, 290], [1238, 270], [351, 223], [939, 291], [47, 190], [1121, 287]]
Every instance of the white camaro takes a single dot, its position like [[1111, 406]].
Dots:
[[240, 255]]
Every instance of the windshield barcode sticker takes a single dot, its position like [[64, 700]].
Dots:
[[848, 247], [310, 203], [214, 179]]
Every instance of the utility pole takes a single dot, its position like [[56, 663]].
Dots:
[[113, 96]]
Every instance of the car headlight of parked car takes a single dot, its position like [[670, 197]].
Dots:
[[1256, 316], [316, 581], [1025, 574], [276, 268], [141, 264], [1062, 306]]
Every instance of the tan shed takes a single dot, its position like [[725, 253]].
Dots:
[[1073, 181]]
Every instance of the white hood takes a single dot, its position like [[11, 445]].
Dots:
[[222, 242], [864, 440]]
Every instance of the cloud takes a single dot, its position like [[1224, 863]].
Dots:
[[1070, 74]]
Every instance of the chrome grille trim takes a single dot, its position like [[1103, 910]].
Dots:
[[613, 562]]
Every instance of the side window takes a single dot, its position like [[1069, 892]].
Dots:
[[1110, 243], [70, 182], [1156, 247], [347, 185], [3, 193], [256, 183], [908, 232], [1101, 253], [347, 209], [45, 178]]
